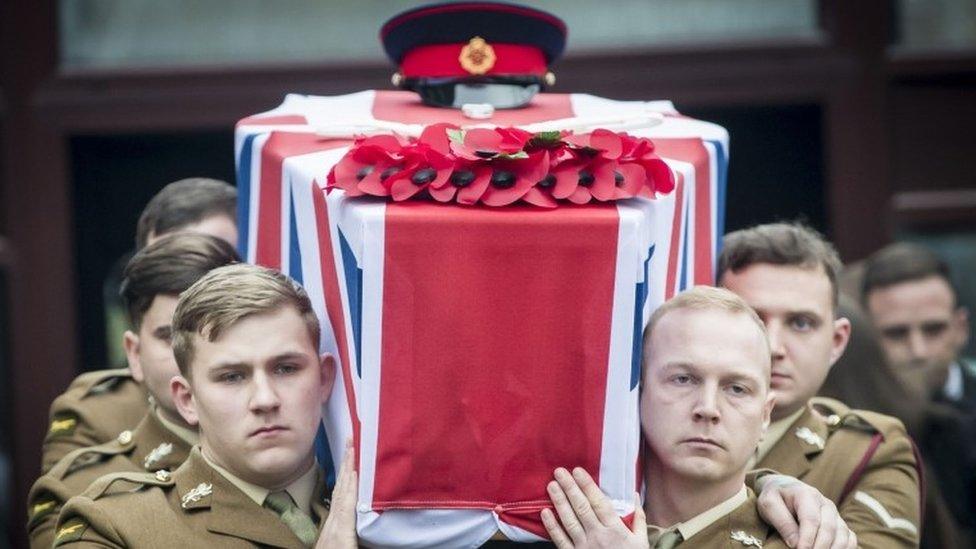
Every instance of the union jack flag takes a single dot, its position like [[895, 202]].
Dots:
[[478, 348]]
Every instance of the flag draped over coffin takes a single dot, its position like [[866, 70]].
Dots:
[[479, 348]]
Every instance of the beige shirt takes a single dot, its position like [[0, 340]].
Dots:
[[774, 432], [184, 433], [301, 490], [699, 522]]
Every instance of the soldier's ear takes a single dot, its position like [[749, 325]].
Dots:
[[183, 399], [842, 334], [130, 342], [327, 364], [768, 411]]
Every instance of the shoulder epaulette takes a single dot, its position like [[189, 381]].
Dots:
[[86, 457], [135, 482], [107, 380]]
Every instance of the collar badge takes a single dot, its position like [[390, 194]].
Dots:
[[811, 438], [158, 453], [746, 539], [202, 490]]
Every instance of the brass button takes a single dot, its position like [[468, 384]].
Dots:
[[125, 437], [833, 420], [162, 475]]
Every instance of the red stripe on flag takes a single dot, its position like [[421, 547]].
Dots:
[[333, 302], [679, 205], [405, 107], [281, 119], [496, 336], [280, 145], [692, 150]]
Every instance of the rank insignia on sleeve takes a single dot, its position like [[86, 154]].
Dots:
[[62, 425], [477, 57], [70, 531], [42, 508], [202, 490], [746, 539], [811, 438], [158, 453]]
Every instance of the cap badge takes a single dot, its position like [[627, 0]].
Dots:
[[158, 453], [746, 539], [811, 438], [477, 57], [202, 490]]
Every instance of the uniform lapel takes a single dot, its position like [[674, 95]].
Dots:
[[231, 512], [156, 447], [793, 453], [235, 514]]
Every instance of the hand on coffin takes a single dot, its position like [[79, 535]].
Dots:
[[804, 518], [339, 530], [586, 516]]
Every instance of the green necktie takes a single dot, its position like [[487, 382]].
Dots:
[[293, 517]]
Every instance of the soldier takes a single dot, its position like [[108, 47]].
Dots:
[[863, 461], [246, 342], [98, 405], [153, 280], [705, 404], [912, 301]]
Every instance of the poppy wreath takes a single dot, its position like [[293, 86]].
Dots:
[[500, 166]]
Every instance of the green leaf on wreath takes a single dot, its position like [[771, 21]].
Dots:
[[456, 136]]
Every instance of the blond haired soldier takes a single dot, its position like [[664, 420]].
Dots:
[[153, 280], [705, 404], [246, 342], [99, 405], [863, 461]]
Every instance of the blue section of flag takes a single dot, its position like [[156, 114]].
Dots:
[[324, 455], [354, 288], [640, 299], [294, 250], [722, 166], [244, 194]]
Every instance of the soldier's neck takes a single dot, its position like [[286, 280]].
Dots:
[[673, 498]]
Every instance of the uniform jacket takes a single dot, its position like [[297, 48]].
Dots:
[[740, 529], [149, 447], [96, 407], [194, 507], [877, 493]]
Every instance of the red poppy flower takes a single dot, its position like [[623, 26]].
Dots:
[[369, 162], [640, 151], [422, 166], [511, 179], [484, 143]]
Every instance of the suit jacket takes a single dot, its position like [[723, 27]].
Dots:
[[149, 447], [95, 408], [863, 461], [194, 507]]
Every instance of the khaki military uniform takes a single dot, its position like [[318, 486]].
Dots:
[[194, 507], [151, 446], [96, 407], [862, 461], [733, 524]]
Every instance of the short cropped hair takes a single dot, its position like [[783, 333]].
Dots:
[[903, 262], [169, 266], [227, 295], [183, 203], [701, 298], [790, 244]]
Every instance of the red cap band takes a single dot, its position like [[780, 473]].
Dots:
[[443, 60]]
